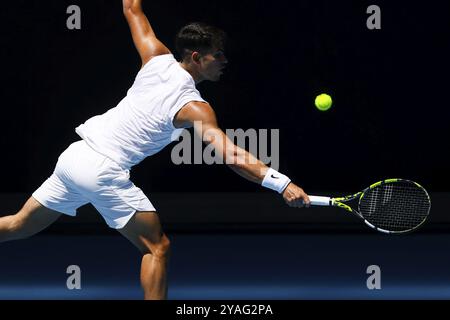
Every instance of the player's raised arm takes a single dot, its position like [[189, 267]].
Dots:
[[238, 159], [145, 40]]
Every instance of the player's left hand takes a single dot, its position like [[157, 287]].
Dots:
[[295, 196]]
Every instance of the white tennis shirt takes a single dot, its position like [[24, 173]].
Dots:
[[141, 124]]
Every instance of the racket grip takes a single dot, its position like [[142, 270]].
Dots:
[[320, 201]]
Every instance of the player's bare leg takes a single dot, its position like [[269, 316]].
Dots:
[[31, 219], [145, 232]]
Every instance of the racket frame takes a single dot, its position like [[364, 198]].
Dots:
[[341, 203]]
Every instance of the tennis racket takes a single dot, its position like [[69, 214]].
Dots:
[[389, 206]]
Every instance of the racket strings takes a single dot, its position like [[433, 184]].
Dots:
[[398, 206]]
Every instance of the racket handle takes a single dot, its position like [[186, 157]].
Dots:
[[320, 201]]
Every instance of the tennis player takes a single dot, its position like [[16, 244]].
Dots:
[[162, 100]]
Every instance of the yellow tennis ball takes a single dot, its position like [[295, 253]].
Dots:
[[323, 102]]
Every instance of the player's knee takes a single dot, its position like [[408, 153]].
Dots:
[[161, 249]]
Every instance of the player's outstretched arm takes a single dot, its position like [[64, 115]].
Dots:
[[238, 159], [143, 35]]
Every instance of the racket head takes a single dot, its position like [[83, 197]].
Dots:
[[395, 206]]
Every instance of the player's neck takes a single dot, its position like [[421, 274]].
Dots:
[[192, 71]]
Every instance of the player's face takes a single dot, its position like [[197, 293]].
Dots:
[[212, 65]]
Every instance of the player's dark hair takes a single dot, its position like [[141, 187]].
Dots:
[[199, 37]]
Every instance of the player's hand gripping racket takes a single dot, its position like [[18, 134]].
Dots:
[[390, 206]]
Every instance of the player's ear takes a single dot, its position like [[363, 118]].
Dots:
[[196, 57]]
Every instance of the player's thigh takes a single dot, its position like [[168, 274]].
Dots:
[[34, 217], [145, 232]]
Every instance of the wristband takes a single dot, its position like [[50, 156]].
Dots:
[[275, 181]]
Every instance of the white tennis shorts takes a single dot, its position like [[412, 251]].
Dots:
[[83, 175]]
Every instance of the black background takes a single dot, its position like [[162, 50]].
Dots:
[[390, 88]]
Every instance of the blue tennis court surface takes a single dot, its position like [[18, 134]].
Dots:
[[233, 266]]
